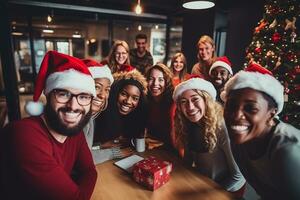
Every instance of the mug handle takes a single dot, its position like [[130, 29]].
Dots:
[[132, 142]]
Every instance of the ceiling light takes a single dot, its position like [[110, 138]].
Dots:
[[48, 31], [17, 33], [138, 8], [93, 40], [76, 35], [139, 27], [49, 18], [198, 4]]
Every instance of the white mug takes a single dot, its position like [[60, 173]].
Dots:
[[139, 144]]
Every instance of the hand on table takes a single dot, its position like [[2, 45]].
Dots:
[[126, 152], [153, 143], [118, 142]]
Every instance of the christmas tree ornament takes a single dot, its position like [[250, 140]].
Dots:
[[293, 37], [290, 24], [297, 69], [276, 37], [257, 50], [270, 53], [258, 44], [278, 63], [292, 8], [274, 23], [262, 24]]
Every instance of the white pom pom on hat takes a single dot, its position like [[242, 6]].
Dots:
[[194, 82], [59, 71], [259, 78]]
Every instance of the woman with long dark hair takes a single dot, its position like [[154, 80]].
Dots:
[[160, 103]]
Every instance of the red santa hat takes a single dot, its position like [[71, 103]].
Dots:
[[59, 71], [222, 62], [194, 82], [98, 70], [259, 78]]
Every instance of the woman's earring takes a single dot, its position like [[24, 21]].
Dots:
[[271, 122]]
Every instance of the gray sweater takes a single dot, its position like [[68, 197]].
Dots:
[[276, 174], [218, 165], [99, 155]]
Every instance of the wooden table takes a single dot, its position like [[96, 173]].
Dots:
[[114, 183]]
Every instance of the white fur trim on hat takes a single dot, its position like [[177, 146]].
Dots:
[[34, 108], [70, 79], [258, 81], [221, 64], [194, 83], [101, 72]]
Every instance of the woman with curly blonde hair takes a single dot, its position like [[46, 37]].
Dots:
[[118, 55], [201, 132]]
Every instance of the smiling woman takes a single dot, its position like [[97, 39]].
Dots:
[[125, 116], [119, 55], [201, 132], [161, 106], [266, 149]]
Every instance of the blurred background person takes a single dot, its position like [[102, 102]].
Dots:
[[178, 68], [118, 55], [220, 72], [206, 56], [140, 57]]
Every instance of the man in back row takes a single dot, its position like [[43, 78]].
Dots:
[[46, 156], [140, 58]]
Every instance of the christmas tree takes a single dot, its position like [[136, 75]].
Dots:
[[276, 46]]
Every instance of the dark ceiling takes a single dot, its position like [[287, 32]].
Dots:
[[164, 7]]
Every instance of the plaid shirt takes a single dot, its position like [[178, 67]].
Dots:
[[141, 63]]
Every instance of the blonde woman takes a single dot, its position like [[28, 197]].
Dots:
[[200, 130], [206, 56], [179, 68], [118, 55]]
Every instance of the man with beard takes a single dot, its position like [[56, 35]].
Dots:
[[41, 152], [140, 58], [219, 73]]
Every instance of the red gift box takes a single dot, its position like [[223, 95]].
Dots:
[[152, 172]]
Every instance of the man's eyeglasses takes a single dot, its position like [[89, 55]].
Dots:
[[64, 96]]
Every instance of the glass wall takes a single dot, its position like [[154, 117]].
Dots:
[[83, 34], [156, 34]]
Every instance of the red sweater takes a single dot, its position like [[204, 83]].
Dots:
[[39, 167]]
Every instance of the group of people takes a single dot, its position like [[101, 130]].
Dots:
[[223, 125]]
